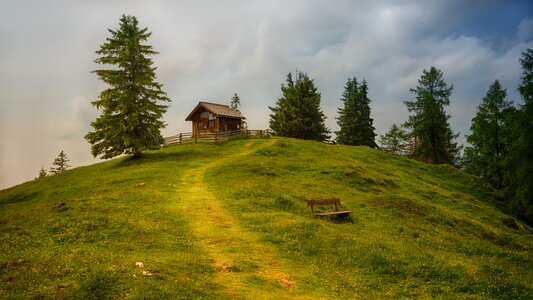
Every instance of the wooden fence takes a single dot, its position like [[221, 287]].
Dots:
[[216, 137]]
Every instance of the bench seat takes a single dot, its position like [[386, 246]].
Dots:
[[320, 202]]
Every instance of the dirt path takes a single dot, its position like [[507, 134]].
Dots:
[[247, 269]]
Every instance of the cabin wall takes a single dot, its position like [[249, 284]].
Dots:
[[227, 124], [204, 122]]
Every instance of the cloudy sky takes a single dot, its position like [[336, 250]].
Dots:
[[212, 49]]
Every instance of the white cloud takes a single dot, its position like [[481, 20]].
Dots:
[[525, 30], [211, 49], [79, 113]]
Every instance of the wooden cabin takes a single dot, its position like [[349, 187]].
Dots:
[[214, 118]]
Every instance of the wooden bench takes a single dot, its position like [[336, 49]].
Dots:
[[320, 202]]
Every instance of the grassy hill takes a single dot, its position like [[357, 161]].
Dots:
[[230, 221]]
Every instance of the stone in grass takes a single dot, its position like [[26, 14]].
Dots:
[[139, 264], [140, 184]]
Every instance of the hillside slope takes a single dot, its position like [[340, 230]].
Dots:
[[230, 221]]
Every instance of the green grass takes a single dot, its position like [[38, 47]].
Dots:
[[230, 221]]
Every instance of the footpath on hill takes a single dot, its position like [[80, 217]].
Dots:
[[246, 267]]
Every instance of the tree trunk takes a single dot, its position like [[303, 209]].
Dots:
[[137, 155]]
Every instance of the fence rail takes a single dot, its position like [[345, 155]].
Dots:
[[189, 137]]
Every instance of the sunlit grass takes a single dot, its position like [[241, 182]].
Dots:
[[230, 221], [415, 230], [81, 232]]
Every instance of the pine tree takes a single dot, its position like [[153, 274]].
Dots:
[[42, 173], [395, 140], [367, 123], [297, 114], [356, 125], [61, 163], [348, 114], [429, 124], [235, 103], [132, 117], [485, 157], [519, 178]]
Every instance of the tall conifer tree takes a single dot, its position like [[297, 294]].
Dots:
[[297, 114], [489, 144], [434, 139], [356, 125], [348, 114], [235, 103], [367, 123], [132, 115], [519, 178]]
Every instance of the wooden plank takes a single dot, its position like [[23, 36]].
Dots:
[[321, 202], [332, 201], [198, 136], [331, 213]]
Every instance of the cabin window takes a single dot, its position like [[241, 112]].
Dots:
[[211, 123], [211, 116], [205, 122]]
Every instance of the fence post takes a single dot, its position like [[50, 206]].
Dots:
[[216, 137], [181, 137]]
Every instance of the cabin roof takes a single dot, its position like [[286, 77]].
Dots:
[[220, 110]]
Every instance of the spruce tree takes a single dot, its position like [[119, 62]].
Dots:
[[356, 125], [485, 157], [367, 123], [235, 103], [132, 115], [61, 163], [434, 139], [519, 178], [395, 140], [297, 114], [348, 114], [42, 173]]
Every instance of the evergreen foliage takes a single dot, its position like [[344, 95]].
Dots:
[[429, 124], [520, 159], [132, 117], [356, 125], [235, 103], [61, 163], [42, 172], [297, 114], [488, 138], [395, 141]]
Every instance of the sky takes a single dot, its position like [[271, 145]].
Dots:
[[209, 50]]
